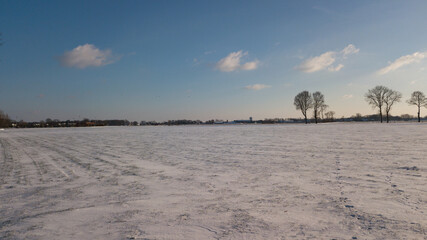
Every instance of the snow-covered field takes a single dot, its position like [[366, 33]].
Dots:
[[325, 181]]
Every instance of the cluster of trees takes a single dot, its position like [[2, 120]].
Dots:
[[380, 97], [305, 101], [385, 98]]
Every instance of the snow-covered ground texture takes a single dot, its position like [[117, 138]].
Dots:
[[325, 181]]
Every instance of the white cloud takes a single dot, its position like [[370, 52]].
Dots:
[[317, 63], [86, 56], [257, 87], [250, 65], [326, 60], [350, 49], [402, 61], [232, 62], [347, 96], [335, 69]]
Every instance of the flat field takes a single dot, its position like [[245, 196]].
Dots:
[[325, 181]]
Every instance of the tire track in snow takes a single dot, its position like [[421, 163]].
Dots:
[[67, 156], [44, 162], [19, 171], [6, 166]]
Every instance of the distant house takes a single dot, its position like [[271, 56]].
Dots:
[[221, 122], [90, 124]]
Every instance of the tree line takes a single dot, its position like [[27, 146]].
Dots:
[[379, 97], [305, 101]]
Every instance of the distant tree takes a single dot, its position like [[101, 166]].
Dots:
[[406, 116], [375, 98], [391, 97], [303, 101], [357, 117], [330, 115], [418, 99], [22, 124], [322, 110], [318, 102], [4, 120]]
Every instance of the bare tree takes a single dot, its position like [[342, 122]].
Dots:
[[322, 110], [375, 98], [318, 102], [419, 99], [330, 115], [303, 102], [390, 98], [357, 117]]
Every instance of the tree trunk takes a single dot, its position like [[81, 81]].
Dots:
[[419, 118], [305, 117], [315, 116], [381, 115], [387, 117]]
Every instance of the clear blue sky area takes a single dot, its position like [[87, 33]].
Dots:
[[160, 60]]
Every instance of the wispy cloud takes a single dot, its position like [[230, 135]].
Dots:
[[326, 60], [232, 62], [336, 68], [249, 65], [350, 49], [402, 61], [318, 63], [348, 96], [86, 55], [257, 87]]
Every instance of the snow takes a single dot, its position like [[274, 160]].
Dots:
[[295, 181]]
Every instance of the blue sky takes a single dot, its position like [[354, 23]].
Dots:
[[160, 60]]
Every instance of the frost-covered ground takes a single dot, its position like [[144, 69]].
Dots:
[[326, 181]]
